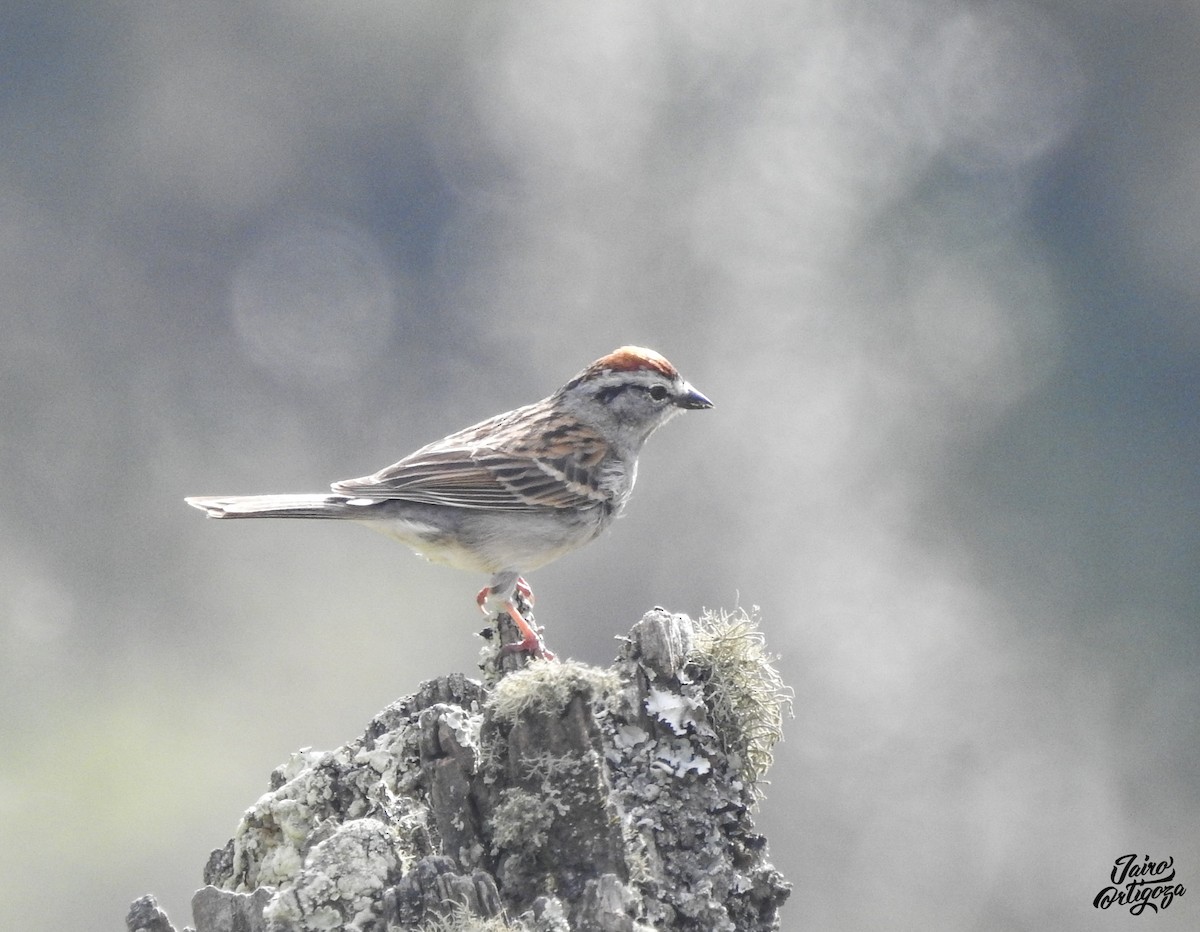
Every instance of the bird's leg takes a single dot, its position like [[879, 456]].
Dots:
[[521, 586], [525, 590], [531, 641]]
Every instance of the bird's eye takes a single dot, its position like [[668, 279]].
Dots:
[[658, 392]]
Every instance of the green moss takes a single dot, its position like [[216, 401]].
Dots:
[[745, 696], [522, 819], [461, 919], [547, 687]]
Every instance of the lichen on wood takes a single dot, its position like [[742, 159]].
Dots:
[[556, 798]]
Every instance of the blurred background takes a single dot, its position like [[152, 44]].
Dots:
[[935, 262]]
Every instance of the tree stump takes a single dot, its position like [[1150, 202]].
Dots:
[[552, 797]]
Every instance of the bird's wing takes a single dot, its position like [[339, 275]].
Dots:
[[496, 469]]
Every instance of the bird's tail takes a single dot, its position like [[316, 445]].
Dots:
[[275, 506]]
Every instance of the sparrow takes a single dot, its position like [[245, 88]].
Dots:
[[514, 492]]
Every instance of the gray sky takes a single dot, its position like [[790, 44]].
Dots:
[[935, 262]]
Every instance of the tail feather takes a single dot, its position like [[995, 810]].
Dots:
[[276, 506]]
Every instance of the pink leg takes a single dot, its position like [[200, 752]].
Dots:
[[530, 642], [525, 589], [522, 587]]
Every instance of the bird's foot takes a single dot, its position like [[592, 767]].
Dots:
[[525, 590], [531, 642], [522, 588], [522, 595]]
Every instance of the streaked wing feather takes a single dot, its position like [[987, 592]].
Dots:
[[462, 472]]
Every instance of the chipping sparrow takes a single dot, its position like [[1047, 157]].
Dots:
[[516, 491]]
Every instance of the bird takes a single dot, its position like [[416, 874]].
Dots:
[[514, 492]]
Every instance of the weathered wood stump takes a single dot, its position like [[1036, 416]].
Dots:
[[550, 797]]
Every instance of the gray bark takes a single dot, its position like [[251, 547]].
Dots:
[[552, 797]]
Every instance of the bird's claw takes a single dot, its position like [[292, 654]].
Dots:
[[534, 646], [531, 642], [522, 588]]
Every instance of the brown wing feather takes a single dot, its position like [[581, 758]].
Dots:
[[492, 465]]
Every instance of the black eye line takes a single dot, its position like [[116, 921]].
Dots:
[[609, 392]]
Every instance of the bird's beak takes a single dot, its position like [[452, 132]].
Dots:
[[689, 398]]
